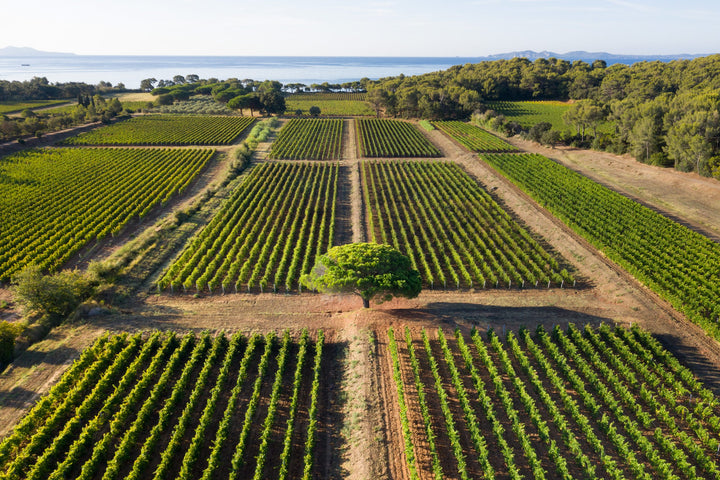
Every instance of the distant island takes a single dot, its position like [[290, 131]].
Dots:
[[11, 51], [532, 55], [590, 57]]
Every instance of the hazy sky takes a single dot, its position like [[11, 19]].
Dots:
[[361, 27]]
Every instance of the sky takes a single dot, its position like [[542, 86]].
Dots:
[[444, 28]]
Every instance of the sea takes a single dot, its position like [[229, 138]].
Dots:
[[130, 70]]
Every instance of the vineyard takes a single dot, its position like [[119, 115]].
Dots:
[[309, 139], [181, 407], [529, 113], [679, 264], [167, 130], [54, 202], [330, 103], [392, 138], [581, 403], [9, 106], [474, 138], [469, 242], [346, 96], [266, 235]]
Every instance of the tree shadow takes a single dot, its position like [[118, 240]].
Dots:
[[57, 356], [706, 371], [330, 444], [17, 397], [471, 315]]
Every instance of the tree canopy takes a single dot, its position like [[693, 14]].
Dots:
[[372, 271]]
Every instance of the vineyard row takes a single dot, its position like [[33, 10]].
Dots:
[[679, 264], [54, 202], [176, 407], [582, 403], [266, 235]]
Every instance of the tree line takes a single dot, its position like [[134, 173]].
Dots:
[[39, 88]]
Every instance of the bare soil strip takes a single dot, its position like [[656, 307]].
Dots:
[[39, 368], [344, 228], [350, 155]]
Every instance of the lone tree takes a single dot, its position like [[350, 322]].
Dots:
[[370, 270], [314, 111]]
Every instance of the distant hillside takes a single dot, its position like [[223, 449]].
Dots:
[[29, 52], [589, 57]]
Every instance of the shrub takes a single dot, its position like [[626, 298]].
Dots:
[[536, 131], [54, 295], [8, 333], [165, 99]]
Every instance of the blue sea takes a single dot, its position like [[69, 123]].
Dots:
[[130, 70]]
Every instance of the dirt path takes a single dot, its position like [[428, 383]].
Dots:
[[687, 198], [362, 422], [38, 369], [351, 157]]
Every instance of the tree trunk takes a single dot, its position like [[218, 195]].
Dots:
[[366, 303]]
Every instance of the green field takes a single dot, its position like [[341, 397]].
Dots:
[[474, 138], [266, 235], [529, 113], [679, 264], [341, 104], [309, 139], [392, 138], [182, 407], [586, 403], [468, 243], [167, 130], [10, 106], [54, 202], [205, 358]]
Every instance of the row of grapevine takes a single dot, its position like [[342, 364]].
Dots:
[[166, 130], [474, 138], [337, 96], [53, 202], [309, 139], [454, 233], [342, 104], [582, 403], [392, 138], [679, 264], [131, 402], [266, 235]]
